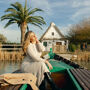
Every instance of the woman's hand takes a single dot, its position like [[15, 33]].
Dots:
[[49, 65], [37, 41]]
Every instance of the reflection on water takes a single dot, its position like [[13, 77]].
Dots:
[[10, 66]]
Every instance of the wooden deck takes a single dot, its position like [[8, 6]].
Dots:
[[83, 77]]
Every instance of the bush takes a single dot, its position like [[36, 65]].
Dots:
[[72, 47]]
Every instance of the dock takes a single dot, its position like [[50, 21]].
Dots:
[[66, 56], [83, 77]]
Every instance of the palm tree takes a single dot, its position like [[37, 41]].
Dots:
[[22, 16]]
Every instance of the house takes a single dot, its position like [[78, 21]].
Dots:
[[53, 38]]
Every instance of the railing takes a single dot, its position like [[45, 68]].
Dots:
[[10, 47]]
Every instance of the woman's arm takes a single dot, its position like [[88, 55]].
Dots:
[[49, 65], [32, 54], [41, 47]]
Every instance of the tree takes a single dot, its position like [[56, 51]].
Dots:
[[80, 33], [3, 39], [22, 16]]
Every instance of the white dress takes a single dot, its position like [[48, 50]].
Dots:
[[33, 63]]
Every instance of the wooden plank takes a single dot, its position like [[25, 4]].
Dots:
[[83, 71], [85, 75], [10, 45], [78, 79], [15, 87], [11, 48], [84, 78], [88, 71]]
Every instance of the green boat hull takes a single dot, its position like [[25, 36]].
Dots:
[[62, 76]]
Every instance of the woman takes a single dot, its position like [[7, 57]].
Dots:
[[32, 62]]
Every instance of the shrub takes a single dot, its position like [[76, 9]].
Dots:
[[72, 47]]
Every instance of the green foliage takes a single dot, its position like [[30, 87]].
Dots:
[[72, 47], [22, 16], [80, 33], [3, 39], [19, 14]]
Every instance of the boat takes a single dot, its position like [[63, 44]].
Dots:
[[61, 74]]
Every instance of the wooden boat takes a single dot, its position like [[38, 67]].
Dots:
[[61, 75]]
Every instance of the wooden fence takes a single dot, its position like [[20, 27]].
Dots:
[[59, 49], [11, 52], [10, 47]]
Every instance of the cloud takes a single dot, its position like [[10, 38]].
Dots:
[[58, 4], [10, 1], [64, 29], [80, 3], [11, 35], [45, 5], [80, 10], [81, 14]]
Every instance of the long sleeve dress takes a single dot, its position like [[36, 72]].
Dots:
[[33, 63]]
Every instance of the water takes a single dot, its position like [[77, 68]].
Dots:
[[84, 63], [11, 66]]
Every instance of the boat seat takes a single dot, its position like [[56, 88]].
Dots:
[[18, 79]]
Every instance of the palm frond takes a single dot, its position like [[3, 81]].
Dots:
[[26, 13], [18, 7], [9, 16], [9, 23], [25, 7], [27, 28], [11, 10], [36, 25], [34, 10], [39, 19]]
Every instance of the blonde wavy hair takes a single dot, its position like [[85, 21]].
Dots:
[[26, 41]]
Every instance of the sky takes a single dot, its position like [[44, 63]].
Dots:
[[64, 13]]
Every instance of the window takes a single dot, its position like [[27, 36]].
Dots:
[[53, 33], [45, 44], [65, 42], [49, 42], [58, 43]]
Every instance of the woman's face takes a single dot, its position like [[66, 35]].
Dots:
[[32, 37]]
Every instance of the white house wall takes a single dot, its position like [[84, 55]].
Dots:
[[48, 45], [49, 33], [53, 42]]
